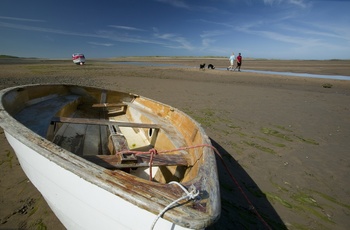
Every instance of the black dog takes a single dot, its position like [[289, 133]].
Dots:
[[202, 66], [211, 66]]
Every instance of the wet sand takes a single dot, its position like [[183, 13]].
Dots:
[[285, 139]]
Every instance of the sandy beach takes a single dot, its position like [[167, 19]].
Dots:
[[284, 138]]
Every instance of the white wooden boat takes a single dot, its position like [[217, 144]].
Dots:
[[90, 152], [78, 58]]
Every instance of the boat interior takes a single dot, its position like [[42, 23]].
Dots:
[[114, 130]]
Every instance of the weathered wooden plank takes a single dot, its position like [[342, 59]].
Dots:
[[92, 140], [104, 105], [117, 141], [71, 138], [114, 161], [104, 140], [103, 122], [165, 159]]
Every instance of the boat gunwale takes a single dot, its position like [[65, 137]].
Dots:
[[111, 181]]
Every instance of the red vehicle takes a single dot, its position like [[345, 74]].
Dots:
[[78, 58]]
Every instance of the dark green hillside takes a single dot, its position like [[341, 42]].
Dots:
[[7, 56]]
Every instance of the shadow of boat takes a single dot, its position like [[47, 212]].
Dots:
[[236, 211]]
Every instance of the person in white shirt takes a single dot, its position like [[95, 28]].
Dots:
[[231, 59]]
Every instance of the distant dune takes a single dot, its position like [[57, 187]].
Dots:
[[7, 56]]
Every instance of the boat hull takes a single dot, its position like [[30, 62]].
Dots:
[[85, 194], [77, 203]]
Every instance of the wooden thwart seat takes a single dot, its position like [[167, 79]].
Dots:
[[111, 107], [139, 160], [105, 105], [112, 138], [89, 121]]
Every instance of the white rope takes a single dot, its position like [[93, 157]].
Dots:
[[189, 196]]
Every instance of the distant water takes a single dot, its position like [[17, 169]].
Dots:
[[141, 63], [334, 77]]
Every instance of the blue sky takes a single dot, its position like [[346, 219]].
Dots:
[[278, 29]]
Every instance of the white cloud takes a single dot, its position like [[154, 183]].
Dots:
[[297, 40], [207, 42], [126, 28], [101, 44], [320, 31], [21, 19], [271, 2], [213, 33], [163, 39], [175, 3], [42, 29], [194, 7], [173, 40], [299, 3]]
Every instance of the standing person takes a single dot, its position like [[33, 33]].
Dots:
[[239, 62], [231, 59]]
